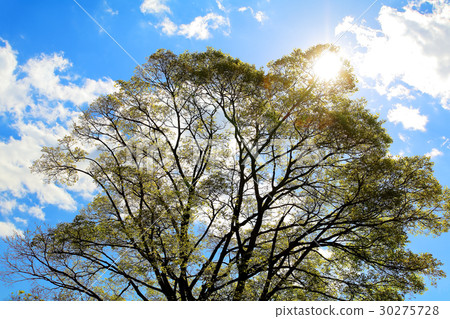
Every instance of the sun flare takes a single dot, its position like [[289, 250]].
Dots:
[[327, 66]]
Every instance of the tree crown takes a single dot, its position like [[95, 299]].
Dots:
[[221, 181]]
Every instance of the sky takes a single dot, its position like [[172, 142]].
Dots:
[[57, 56]]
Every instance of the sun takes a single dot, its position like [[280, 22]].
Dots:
[[327, 66]]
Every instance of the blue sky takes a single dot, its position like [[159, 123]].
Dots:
[[55, 59]]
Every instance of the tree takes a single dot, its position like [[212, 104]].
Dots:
[[221, 181], [21, 295]]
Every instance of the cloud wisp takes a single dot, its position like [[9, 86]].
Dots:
[[258, 15]]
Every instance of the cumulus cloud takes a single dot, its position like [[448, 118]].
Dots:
[[14, 93], [399, 91], [410, 46], [38, 97], [434, 153], [42, 79], [42, 75], [7, 205], [8, 229], [410, 118], [154, 6], [34, 211], [168, 27], [17, 156], [200, 27]]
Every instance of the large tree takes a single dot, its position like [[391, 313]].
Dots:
[[221, 181]]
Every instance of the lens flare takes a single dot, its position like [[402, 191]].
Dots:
[[327, 66]]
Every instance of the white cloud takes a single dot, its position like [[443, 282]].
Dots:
[[220, 6], [34, 211], [168, 27], [326, 253], [445, 141], [410, 46], [109, 9], [399, 91], [154, 6], [200, 27], [402, 137], [259, 15], [38, 98], [8, 229], [434, 152], [17, 156], [14, 94], [42, 75], [112, 12], [410, 118], [85, 187], [21, 220], [7, 205]]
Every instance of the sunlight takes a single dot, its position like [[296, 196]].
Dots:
[[327, 66]]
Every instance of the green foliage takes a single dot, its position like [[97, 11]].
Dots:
[[23, 296], [220, 181]]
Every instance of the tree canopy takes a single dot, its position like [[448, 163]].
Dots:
[[221, 181]]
